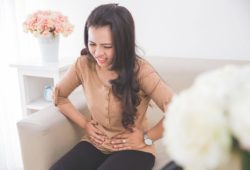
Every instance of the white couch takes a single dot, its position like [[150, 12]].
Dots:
[[47, 134]]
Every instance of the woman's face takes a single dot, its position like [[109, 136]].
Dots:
[[100, 45]]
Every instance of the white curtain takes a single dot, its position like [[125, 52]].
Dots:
[[10, 107]]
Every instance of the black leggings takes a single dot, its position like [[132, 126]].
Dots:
[[84, 156]]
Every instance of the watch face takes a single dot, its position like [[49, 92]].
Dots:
[[148, 142]]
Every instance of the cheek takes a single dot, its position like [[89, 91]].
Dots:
[[91, 49], [111, 54]]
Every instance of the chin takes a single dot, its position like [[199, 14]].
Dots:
[[104, 65]]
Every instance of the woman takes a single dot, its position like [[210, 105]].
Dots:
[[118, 86]]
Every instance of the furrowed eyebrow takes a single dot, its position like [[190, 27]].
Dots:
[[101, 43]]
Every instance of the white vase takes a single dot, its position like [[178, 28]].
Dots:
[[49, 47]]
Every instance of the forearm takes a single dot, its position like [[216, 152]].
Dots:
[[156, 132], [72, 113]]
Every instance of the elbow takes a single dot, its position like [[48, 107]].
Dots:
[[55, 96]]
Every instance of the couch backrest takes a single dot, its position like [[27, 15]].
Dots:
[[179, 73]]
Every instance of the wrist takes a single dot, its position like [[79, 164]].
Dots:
[[147, 140], [85, 123]]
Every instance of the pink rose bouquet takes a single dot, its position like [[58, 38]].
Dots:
[[47, 23]]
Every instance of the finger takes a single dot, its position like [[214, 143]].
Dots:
[[97, 131], [93, 122], [107, 142], [108, 146], [98, 137], [125, 148], [118, 146], [123, 136], [96, 140], [122, 148], [119, 141], [93, 141]]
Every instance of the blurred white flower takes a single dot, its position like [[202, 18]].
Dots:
[[239, 109], [197, 129]]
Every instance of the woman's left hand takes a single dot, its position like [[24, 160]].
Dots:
[[128, 140]]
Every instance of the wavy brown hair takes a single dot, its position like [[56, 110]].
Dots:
[[125, 87]]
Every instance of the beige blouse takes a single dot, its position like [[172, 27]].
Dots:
[[104, 107]]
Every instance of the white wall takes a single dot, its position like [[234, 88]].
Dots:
[[174, 28]]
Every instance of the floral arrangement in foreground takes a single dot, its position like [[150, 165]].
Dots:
[[47, 23], [209, 123]]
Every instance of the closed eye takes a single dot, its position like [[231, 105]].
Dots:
[[107, 46]]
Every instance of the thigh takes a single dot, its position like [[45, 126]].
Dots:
[[129, 159], [84, 156]]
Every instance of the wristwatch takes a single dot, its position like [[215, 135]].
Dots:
[[147, 140]]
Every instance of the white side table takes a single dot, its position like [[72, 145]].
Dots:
[[33, 78]]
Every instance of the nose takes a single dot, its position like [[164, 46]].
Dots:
[[99, 51]]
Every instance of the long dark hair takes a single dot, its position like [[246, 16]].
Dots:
[[125, 87]]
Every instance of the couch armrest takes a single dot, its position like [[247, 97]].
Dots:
[[47, 135]]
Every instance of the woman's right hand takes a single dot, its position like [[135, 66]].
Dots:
[[94, 134]]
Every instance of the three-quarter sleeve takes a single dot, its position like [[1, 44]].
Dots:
[[154, 87], [71, 80]]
